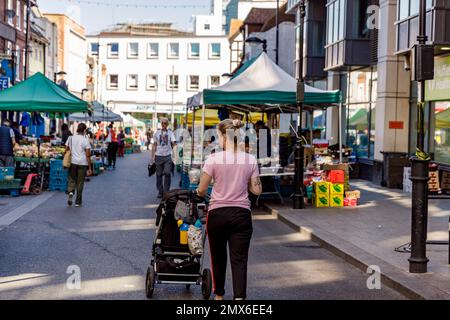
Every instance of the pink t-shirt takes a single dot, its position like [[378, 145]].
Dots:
[[231, 173]]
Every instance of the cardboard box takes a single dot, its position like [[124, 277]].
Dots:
[[321, 200], [337, 188], [321, 151], [355, 194], [350, 202], [322, 188], [336, 176], [336, 200]]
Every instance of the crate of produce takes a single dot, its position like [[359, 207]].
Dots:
[[6, 173], [10, 184], [58, 181], [57, 188], [59, 173]]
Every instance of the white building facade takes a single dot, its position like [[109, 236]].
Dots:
[[156, 69]]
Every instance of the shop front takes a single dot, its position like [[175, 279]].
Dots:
[[438, 96], [437, 120]]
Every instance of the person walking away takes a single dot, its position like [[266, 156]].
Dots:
[[7, 143], [81, 165], [121, 144], [65, 133], [112, 146], [164, 142], [229, 219], [149, 134]]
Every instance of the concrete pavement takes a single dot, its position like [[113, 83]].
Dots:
[[109, 241], [368, 234]]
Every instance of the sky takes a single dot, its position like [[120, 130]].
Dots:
[[95, 16]]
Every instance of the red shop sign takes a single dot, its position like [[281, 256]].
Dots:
[[396, 124]]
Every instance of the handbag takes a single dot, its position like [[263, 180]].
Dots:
[[151, 169], [67, 161]]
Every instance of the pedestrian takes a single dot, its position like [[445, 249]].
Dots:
[[81, 165], [163, 144], [111, 138], [65, 133], [229, 219], [17, 135], [7, 143], [121, 143], [149, 134]]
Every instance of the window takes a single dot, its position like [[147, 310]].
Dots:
[[172, 82], [153, 50], [174, 50], [408, 8], [152, 82], [113, 82], [193, 83], [132, 82], [442, 132], [214, 51], [113, 50], [194, 50], [94, 49], [360, 112], [9, 12], [207, 26], [133, 50], [19, 16], [17, 53], [214, 81], [336, 21]]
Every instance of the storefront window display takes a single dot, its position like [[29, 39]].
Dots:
[[360, 112], [442, 132]]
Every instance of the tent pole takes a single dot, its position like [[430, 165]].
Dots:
[[192, 138], [340, 132], [311, 123], [203, 131]]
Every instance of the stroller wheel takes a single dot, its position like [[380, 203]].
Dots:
[[206, 283], [150, 282]]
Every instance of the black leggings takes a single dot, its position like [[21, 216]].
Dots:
[[112, 153], [232, 225]]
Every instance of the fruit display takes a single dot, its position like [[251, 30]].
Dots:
[[47, 151]]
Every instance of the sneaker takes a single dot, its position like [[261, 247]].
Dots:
[[77, 204], [70, 200]]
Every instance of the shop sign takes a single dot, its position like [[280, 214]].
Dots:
[[4, 83], [396, 125], [439, 88]]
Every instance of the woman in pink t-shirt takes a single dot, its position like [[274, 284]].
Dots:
[[229, 218]]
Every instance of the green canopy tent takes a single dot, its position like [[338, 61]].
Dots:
[[262, 86], [39, 94]]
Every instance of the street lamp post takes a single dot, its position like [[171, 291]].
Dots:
[[423, 56], [299, 202], [277, 38]]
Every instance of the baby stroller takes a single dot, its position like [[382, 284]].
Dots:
[[171, 261]]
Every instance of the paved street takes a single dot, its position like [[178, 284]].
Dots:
[[110, 238]]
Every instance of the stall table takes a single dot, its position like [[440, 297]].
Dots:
[[273, 172]]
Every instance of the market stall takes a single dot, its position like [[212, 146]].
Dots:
[[38, 94], [261, 86]]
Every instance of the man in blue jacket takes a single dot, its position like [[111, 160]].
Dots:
[[7, 142]]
